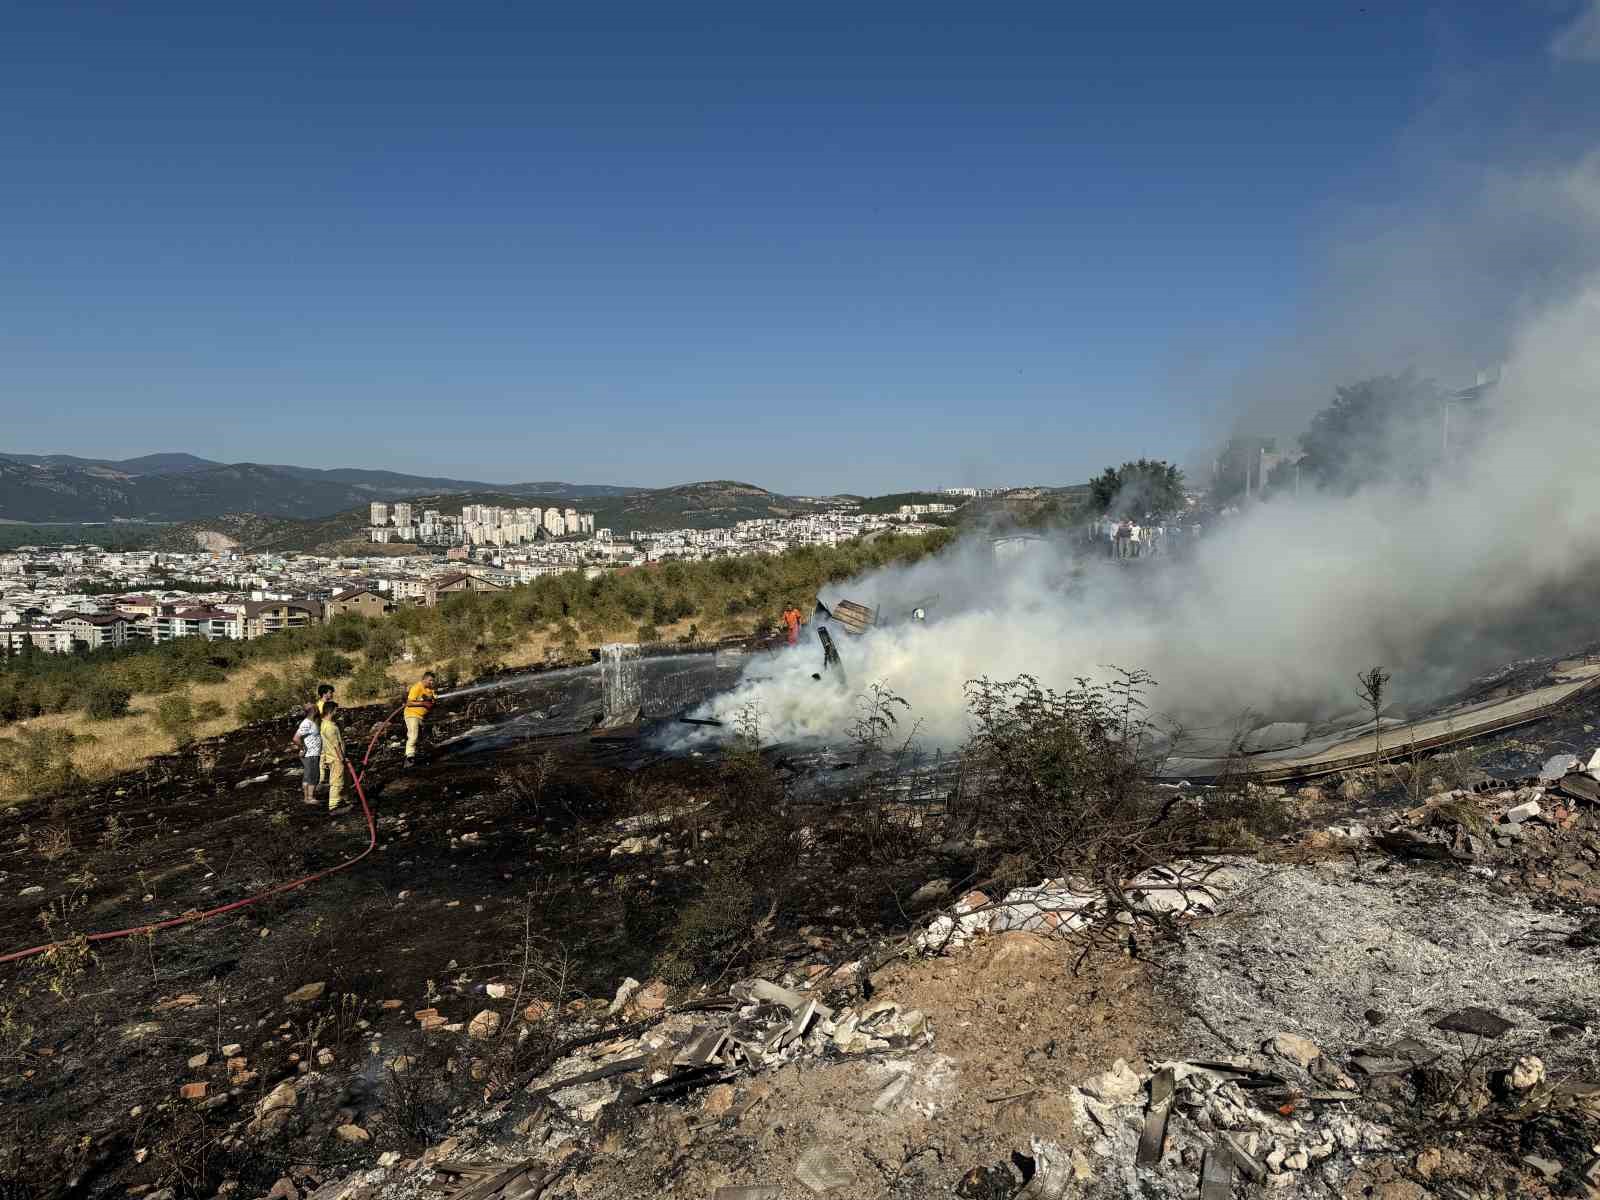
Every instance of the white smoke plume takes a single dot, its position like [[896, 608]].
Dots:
[[1494, 557]]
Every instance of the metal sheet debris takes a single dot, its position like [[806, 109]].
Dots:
[[856, 618]]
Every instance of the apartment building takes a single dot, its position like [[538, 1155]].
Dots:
[[362, 601], [95, 630]]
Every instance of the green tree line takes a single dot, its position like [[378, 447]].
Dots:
[[469, 631]]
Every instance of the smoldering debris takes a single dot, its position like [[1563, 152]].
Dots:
[[1489, 558]]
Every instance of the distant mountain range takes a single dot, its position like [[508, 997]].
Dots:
[[182, 487]]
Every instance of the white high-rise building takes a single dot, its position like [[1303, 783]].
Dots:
[[380, 514], [402, 514]]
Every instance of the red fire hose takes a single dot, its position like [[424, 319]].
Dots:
[[191, 918]]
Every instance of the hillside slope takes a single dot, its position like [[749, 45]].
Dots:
[[691, 505], [181, 487]]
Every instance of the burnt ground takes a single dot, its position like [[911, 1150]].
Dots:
[[495, 845], [489, 845]]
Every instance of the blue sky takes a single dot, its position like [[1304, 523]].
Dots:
[[821, 251]]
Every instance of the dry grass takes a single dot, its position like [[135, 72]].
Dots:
[[124, 743]]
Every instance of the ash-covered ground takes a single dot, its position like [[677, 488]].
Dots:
[[331, 1040]]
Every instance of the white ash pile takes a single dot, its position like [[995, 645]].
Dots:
[[1062, 906], [1334, 949]]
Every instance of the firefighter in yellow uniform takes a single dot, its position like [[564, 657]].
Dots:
[[419, 703], [332, 754]]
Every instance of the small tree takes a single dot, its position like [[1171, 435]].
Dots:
[[1374, 685], [106, 700], [175, 717], [330, 664], [1138, 488]]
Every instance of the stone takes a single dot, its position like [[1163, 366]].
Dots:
[[535, 1011], [281, 1098], [497, 991], [1298, 1050], [1546, 1167], [485, 1025], [389, 1158], [1479, 1022], [193, 1091], [1117, 1085], [232, 1049], [1528, 1073], [284, 1189], [353, 1134], [325, 1057], [35, 890], [306, 993], [199, 1060], [1523, 812], [929, 893]]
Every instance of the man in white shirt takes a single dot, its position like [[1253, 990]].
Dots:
[[308, 740]]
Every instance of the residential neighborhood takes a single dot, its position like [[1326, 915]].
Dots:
[[60, 599]]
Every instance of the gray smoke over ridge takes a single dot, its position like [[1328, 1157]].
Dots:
[[1492, 558]]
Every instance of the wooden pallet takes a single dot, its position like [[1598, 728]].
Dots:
[[856, 618]]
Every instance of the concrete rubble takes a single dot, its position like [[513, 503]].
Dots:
[[1062, 906]]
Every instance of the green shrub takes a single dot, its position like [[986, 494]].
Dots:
[[370, 681], [276, 696], [330, 664], [38, 762], [348, 633], [385, 642], [175, 717], [647, 633], [106, 700]]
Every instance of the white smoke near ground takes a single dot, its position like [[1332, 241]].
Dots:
[[1279, 607]]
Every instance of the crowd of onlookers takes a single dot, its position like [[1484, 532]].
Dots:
[[1129, 537]]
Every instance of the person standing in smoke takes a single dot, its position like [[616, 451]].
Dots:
[[791, 623]]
